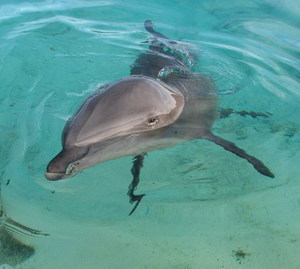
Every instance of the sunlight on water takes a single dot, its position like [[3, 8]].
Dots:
[[204, 207]]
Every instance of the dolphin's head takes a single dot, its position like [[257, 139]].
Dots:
[[123, 118]]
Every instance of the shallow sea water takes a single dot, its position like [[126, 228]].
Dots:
[[204, 207]]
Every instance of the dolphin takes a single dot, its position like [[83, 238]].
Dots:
[[160, 104]]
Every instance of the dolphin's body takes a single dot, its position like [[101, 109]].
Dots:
[[159, 105]]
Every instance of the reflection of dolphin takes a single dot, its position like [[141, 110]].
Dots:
[[161, 104]]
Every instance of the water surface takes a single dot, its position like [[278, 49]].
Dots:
[[204, 207]]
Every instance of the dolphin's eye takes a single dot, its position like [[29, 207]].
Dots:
[[152, 122]]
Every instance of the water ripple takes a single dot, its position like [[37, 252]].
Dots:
[[11, 11]]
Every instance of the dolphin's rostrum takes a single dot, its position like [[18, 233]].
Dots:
[[163, 102]]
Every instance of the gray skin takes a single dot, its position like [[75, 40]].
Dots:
[[160, 104]]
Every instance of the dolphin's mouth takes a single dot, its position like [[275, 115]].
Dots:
[[70, 171]]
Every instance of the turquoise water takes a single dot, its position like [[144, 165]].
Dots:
[[204, 207]]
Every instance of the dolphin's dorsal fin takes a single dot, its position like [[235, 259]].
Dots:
[[227, 145], [149, 27]]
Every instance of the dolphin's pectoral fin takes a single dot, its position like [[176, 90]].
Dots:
[[135, 170], [227, 145], [138, 199]]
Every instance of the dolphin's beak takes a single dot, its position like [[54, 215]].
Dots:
[[54, 176], [64, 164]]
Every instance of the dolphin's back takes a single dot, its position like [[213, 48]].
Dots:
[[171, 62], [162, 53]]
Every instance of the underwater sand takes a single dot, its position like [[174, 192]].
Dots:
[[204, 207]]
